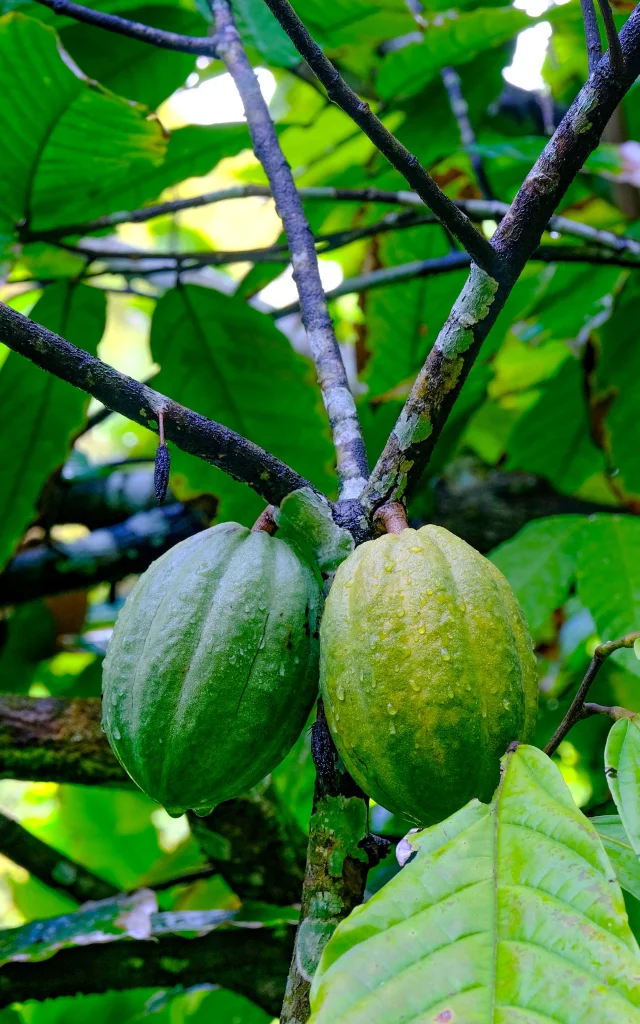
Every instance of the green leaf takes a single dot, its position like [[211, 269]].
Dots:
[[29, 637], [454, 39], [507, 912], [233, 365], [41, 414], [617, 375], [260, 29], [608, 575], [620, 852], [127, 66], [553, 438], [540, 564], [67, 142], [622, 769]]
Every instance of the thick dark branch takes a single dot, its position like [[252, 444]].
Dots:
[[460, 110], [616, 57], [265, 849], [339, 854], [190, 431], [49, 866], [252, 962], [46, 739], [339, 402], [575, 712], [205, 46], [485, 508], [592, 33], [108, 554], [413, 439], [103, 497], [405, 162]]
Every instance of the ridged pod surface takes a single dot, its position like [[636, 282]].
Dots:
[[426, 670], [213, 667]]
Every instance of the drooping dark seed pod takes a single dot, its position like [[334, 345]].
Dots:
[[161, 472]]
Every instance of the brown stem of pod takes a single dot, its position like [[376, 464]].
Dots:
[[265, 522], [390, 518]]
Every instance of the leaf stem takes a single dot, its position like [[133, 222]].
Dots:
[[576, 710], [204, 46]]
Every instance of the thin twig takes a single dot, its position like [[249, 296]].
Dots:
[[475, 209], [460, 110], [575, 712], [204, 46], [592, 33], [614, 711], [455, 261], [474, 313], [339, 402], [188, 430], [49, 866], [405, 162], [616, 57]]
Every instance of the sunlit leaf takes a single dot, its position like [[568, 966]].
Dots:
[[540, 564], [508, 911]]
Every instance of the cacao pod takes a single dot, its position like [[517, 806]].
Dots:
[[427, 671], [212, 668]]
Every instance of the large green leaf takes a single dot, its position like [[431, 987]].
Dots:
[[540, 564], [508, 912], [553, 438], [131, 68], [41, 413], [618, 375], [229, 362], [66, 141], [620, 852], [609, 579], [260, 29], [454, 38], [622, 768]]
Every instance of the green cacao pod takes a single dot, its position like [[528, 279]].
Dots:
[[212, 668], [427, 671]]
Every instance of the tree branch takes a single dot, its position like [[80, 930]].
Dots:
[[108, 554], [339, 402], [405, 162], [413, 439], [252, 962], [339, 855], [205, 46], [459, 260], [49, 866], [46, 739], [190, 431], [616, 57], [460, 110], [475, 209], [576, 710], [592, 34]]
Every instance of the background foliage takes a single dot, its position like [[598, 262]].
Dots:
[[94, 123]]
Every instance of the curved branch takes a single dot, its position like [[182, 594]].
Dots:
[[438, 384], [592, 34], [205, 46], [48, 865], [405, 162], [339, 402], [252, 962], [190, 431]]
